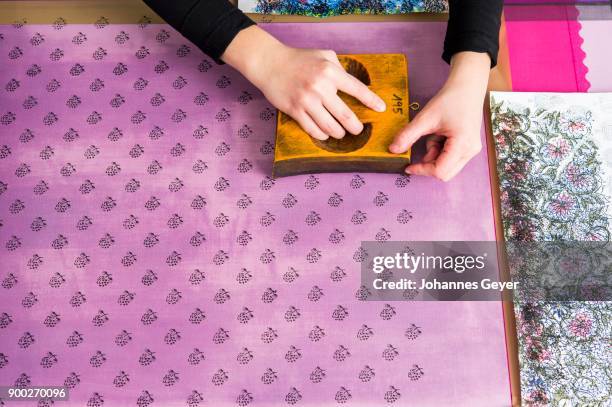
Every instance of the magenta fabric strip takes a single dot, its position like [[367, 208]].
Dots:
[[546, 53], [148, 258]]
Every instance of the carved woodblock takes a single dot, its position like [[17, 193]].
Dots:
[[298, 153]]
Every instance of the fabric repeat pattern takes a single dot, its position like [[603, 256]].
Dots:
[[149, 259], [327, 8], [557, 144]]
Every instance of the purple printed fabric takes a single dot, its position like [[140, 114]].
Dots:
[[149, 259]]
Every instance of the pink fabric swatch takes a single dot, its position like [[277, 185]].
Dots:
[[545, 53], [148, 258]]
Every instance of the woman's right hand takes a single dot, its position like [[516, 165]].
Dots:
[[302, 83]]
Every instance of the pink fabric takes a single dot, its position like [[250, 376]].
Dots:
[[545, 53], [176, 206]]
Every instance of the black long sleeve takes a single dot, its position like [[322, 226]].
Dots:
[[212, 24], [209, 24], [473, 25]]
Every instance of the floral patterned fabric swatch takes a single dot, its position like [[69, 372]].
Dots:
[[149, 259], [327, 8], [560, 146]]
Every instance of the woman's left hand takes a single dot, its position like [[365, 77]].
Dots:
[[451, 120]]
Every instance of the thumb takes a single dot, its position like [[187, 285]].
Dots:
[[422, 125]]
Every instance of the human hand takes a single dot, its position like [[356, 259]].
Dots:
[[303, 83], [451, 120]]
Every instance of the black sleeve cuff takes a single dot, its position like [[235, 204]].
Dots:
[[210, 24], [223, 23], [473, 25]]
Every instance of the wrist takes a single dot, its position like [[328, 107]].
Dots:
[[251, 51], [469, 69]]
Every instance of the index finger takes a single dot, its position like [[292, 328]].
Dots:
[[350, 85]]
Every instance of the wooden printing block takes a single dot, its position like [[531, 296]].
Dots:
[[298, 153]]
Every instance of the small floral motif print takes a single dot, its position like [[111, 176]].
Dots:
[[581, 325], [135, 192], [575, 124], [556, 150], [562, 207]]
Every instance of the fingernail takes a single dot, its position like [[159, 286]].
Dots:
[[394, 148], [407, 171], [380, 106]]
